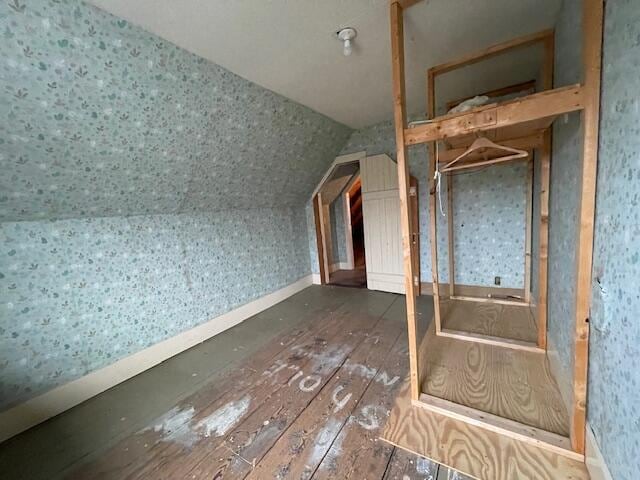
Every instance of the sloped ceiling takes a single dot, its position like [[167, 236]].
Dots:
[[100, 118], [290, 46], [338, 180]]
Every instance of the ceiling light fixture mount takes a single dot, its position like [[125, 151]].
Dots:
[[347, 35]]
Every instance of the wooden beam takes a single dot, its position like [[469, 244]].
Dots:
[[543, 243], [494, 300], [400, 120], [592, 18], [415, 232], [433, 231], [516, 430], [475, 291], [404, 4], [450, 231], [319, 236], [491, 340], [547, 104], [545, 172], [498, 92], [325, 229], [530, 142], [520, 42], [528, 228]]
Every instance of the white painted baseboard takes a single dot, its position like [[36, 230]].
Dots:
[[55, 401], [594, 460], [316, 279], [596, 465]]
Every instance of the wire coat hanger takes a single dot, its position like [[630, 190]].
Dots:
[[481, 145]]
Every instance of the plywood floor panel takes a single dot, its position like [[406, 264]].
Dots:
[[496, 320], [472, 450], [509, 383]]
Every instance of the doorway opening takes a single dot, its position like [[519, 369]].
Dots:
[[356, 276], [357, 217], [338, 207]]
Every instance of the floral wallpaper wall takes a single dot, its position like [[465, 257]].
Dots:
[[614, 385], [489, 215], [490, 225], [144, 191], [102, 118], [338, 230], [566, 165], [614, 381], [78, 294]]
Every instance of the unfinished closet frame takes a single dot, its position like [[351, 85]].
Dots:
[[518, 118], [530, 142], [522, 88]]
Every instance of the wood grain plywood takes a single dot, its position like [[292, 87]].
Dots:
[[473, 450], [512, 384], [496, 320]]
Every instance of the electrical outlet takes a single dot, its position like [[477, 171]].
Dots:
[[496, 280]]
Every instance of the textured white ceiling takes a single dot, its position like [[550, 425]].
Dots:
[[289, 46]]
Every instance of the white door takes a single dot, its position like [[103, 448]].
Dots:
[[381, 218]]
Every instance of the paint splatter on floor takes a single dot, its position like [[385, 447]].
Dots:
[[173, 426], [221, 421], [177, 424]]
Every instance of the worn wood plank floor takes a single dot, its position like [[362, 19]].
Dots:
[[309, 403]]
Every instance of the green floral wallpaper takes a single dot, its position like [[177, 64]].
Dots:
[[564, 201], [144, 191], [102, 118]]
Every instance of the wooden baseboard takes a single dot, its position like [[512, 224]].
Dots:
[[594, 459], [490, 340], [55, 401], [472, 290]]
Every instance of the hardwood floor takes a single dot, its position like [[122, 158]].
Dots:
[[308, 403], [349, 278]]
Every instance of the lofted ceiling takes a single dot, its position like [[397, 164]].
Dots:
[[290, 46]]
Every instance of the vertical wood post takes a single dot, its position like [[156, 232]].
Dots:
[[415, 232], [545, 172], [317, 214], [400, 120], [527, 240], [593, 17], [451, 233], [433, 231], [543, 244]]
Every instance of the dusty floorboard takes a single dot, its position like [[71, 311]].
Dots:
[[298, 391]]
